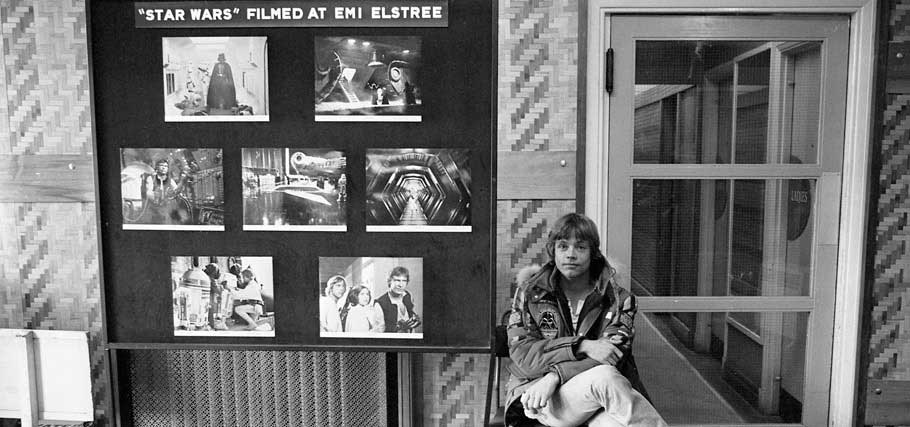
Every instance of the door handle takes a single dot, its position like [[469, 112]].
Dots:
[[608, 71]]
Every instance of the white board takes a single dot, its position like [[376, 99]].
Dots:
[[62, 374]]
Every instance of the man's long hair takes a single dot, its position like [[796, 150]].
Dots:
[[581, 228]]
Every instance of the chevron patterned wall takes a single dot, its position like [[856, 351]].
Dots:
[[537, 97], [889, 343], [49, 276], [889, 346], [48, 251], [47, 98], [538, 79]]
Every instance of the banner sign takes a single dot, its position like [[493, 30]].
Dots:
[[339, 13]]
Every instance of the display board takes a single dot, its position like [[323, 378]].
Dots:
[[293, 174]]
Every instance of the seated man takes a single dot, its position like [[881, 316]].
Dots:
[[250, 304], [570, 339]]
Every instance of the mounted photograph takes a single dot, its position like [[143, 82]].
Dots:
[[370, 297], [368, 79], [230, 296], [294, 189], [418, 190], [172, 189], [215, 79]]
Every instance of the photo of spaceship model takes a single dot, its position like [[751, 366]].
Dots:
[[418, 189], [172, 189], [215, 79], [368, 79], [294, 189]]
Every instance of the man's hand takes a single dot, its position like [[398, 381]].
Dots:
[[601, 350], [537, 396]]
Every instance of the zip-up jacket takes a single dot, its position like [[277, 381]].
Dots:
[[542, 338]]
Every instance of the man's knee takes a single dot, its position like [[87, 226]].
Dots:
[[607, 377]]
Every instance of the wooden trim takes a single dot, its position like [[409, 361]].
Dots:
[[730, 304], [730, 6], [597, 107], [887, 402], [405, 390], [29, 411], [581, 169], [186, 345], [724, 171], [536, 175], [854, 203], [46, 178]]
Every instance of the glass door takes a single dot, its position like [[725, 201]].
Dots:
[[725, 148]]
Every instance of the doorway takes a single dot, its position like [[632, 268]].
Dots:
[[723, 195]]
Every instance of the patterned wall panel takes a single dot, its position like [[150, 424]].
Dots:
[[46, 74], [257, 388], [889, 347], [5, 142], [521, 237], [49, 275], [899, 21], [454, 389], [48, 252], [538, 78]]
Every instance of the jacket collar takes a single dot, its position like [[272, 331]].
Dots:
[[543, 284]]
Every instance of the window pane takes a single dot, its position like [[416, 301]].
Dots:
[[722, 238], [714, 371], [712, 101]]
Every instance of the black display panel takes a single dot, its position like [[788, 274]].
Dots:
[[227, 168]]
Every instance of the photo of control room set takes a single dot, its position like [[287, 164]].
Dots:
[[368, 79]]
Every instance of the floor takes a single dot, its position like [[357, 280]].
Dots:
[[680, 393]]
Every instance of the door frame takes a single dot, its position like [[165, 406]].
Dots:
[[855, 193]]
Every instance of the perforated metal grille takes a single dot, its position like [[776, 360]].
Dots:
[[256, 388]]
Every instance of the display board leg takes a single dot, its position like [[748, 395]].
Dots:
[[410, 409]]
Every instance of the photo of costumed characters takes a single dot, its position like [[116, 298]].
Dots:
[[331, 302], [223, 298], [361, 314], [397, 305], [347, 308]]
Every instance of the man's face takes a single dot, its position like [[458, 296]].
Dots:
[[338, 289], [572, 256], [162, 168], [398, 284]]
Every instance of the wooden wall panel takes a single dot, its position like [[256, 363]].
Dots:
[[46, 178], [538, 79], [49, 276], [887, 391], [46, 67], [886, 401], [536, 175], [49, 266]]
